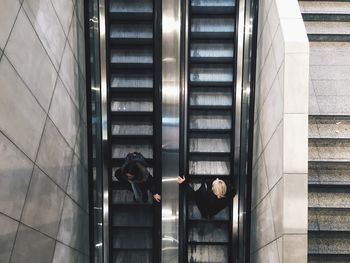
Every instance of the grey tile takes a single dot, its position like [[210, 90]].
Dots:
[[259, 187], [69, 73], [268, 253], [76, 41], [273, 154], [1, 52], [26, 123], [329, 73], [7, 237], [15, 172], [295, 248], [78, 183], [32, 247], [64, 113], [80, 10], [64, 10], [30, 59], [81, 144], [65, 254], [55, 156], [73, 228], [43, 16], [8, 12], [264, 229], [43, 206]]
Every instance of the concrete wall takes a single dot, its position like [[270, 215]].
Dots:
[[279, 201], [43, 153]]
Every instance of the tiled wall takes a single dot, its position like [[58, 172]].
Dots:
[[279, 201], [43, 144]]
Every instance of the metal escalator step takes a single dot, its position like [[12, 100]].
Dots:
[[207, 253], [132, 238], [131, 66], [198, 155], [130, 16], [208, 232], [213, 10], [209, 144], [132, 255], [131, 113], [125, 90], [211, 107], [194, 132], [228, 84], [129, 41], [212, 60], [132, 128], [142, 141], [131, 137], [211, 35]]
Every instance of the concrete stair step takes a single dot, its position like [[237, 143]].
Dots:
[[329, 219], [329, 242], [325, 7], [329, 197]]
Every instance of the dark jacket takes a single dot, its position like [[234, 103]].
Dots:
[[146, 182], [206, 201]]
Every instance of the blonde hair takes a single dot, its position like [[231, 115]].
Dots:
[[219, 188]]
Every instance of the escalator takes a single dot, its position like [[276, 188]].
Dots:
[[134, 108], [170, 93], [209, 127]]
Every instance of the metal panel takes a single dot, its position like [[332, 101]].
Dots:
[[238, 103], [104, 111], [170, 129]]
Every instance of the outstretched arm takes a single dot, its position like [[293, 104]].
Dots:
[[189, 190], [152, 187]]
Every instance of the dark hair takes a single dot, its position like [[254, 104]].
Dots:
[[135, 169]]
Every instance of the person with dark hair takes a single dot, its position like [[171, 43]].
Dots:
[[134, 174], [211, 197]]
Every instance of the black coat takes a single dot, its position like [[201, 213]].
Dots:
[[206, 201], [148, 183]]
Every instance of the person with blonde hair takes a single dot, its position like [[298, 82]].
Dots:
[[211, 197]]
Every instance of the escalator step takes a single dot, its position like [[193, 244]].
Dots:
[[131, 66], [208, 231], [194, 214], [130, 16], [210, 107], [207, 254], [130, 41], [213, 10], [228, 84], [216, 60], [132, 238], [134, 255]]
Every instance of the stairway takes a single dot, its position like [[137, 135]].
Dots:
[[328, 27], [134, 120], [211, 36]]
